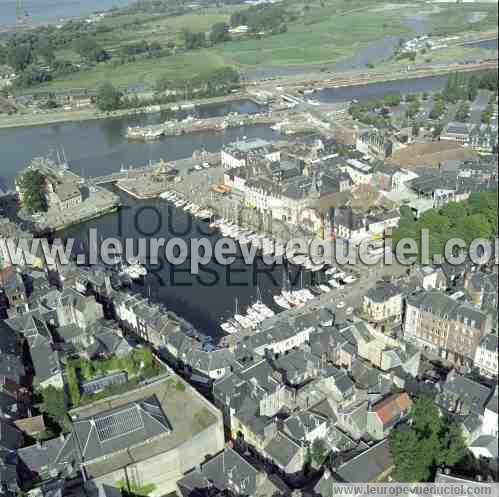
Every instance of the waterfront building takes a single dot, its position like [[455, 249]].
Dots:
[[244, 153]]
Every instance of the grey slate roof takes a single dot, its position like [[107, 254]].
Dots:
[[383, 291], [229, 471], [490, 342], [118, 429], [492, 404], [11, 438], [488, 442], [41, 458], [460, 389], [447, 308], [368, 466], [301, 423], [282, 449]]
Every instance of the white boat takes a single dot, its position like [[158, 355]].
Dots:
[[316, 267], [282, 302], [330, 271], [263, 310], [229, 328], [165, 196], [298, 260], [332, 282], [135, 270], [293, 298], [339, 276], [303, 295], [324, 288], [308, 264], [244, 321], [255, 316], [215, 224]]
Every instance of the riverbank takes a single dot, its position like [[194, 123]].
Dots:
[[91, 114]]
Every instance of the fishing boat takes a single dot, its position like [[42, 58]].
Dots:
[[282, 302]]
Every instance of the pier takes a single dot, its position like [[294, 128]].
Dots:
[[192, 125]]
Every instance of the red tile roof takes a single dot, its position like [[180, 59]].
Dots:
[[392, 407]]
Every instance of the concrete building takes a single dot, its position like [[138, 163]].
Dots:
[[457, 131], [244, 153], [486, 356], [484, 138], [445, 327], [149, 437], [383, 303], [360, 172], [386, 414]]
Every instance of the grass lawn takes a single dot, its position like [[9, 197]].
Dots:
[[324, 32], [471, 17], [144, 71], [315, 41]]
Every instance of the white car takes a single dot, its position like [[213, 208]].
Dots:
[[340, 305], [349, 310], [197, 167]]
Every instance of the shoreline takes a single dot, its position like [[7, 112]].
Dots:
[[94, 115], [341, 80]]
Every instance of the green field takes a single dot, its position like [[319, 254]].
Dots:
[[324, 32]]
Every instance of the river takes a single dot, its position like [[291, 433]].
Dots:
[[99, 146], [40, 11]]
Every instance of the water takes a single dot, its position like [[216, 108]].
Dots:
[[486, 44], [40, 11], [206, 299], [374, 53], [99, 146]]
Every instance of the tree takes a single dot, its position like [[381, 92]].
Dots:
[[219, 32], [73, 386], [87, 370], [32, 186], [108, 98], [427, 442], [193, 40], [89, 50], [319, 451], [54, 403], [20, 56]]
